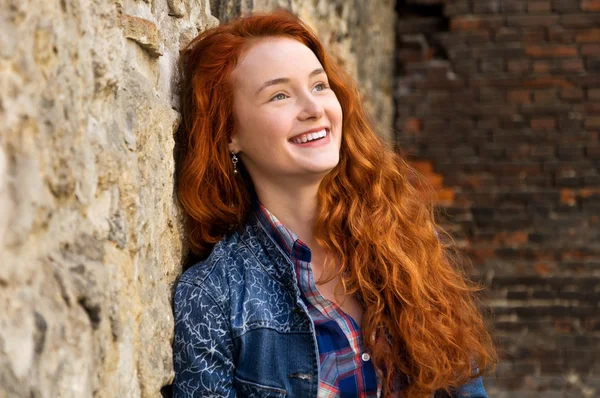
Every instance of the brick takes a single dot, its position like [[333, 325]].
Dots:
[[590, 5], [507, 34], [533, 35], [571, 94], [445, 195], [589, 80], [513, 122], [515, 167], [518, 151], [488, 123], [508, 50], [590, 49], [412, 25], [518, 66], [593, 151], [592, 65], [510, 6], [465, 67], [478, 36], [495, 82], [412, 125], [422, 167], [490, 94], [567, 196], [441, 84], [542, 66], [491, 65], [589, 108], [543, 151], [486, 109], [558, 34], [550, 51], [539, 6], [486, 6], [532, 20], [568, 179], [544, 96], [410, 55], [565, 5], [569, 124], [570, 152], [463, 150], [543, 124], [592, 122], [467, 23], [545, 109], [519, 96], [572, 65], [588, 36], [457, 7], [579, 20], [593, 94], [548, 81]]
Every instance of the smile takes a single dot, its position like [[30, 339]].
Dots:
[[310, 137]]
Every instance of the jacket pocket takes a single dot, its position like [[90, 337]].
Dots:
[[248, 389]]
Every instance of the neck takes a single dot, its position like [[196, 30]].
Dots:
[[296, 208]]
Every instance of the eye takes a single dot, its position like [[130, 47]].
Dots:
[[278, 97], [323, 85]]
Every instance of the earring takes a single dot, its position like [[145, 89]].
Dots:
[[234, 160]]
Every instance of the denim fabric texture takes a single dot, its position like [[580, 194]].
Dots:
[[242, 328]]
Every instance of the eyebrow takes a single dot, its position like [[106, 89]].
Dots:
[[280, 80]]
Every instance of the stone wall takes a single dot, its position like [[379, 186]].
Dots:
[[91, 237], [498, 104]]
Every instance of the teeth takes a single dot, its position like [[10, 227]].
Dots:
[[309, 137]]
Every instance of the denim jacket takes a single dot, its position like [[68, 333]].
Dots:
[[241, 327]]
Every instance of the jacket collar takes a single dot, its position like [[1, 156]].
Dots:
[[285, 238], [269, 254]]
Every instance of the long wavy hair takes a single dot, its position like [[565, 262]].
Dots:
[[420, 309]]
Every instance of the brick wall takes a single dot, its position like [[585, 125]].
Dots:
[[498, 104]]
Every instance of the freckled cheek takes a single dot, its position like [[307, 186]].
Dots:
[[267, 134], [277, 126], [335, 113]]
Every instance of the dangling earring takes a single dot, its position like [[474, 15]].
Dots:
[[234, 160]]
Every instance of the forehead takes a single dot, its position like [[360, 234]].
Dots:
[[272, 58]]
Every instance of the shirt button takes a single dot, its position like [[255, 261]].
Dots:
[[365, 357]]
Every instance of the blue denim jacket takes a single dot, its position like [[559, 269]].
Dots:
[[241, 328]]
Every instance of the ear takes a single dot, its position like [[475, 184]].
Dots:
[[233, 145]]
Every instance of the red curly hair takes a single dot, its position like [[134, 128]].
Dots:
[[419, 306]]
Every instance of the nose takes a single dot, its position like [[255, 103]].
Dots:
[[310, 107]]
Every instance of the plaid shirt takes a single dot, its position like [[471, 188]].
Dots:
[[346, 369]]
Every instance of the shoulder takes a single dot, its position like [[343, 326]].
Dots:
[[216, 275]]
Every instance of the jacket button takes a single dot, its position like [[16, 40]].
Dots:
[[365, 357]]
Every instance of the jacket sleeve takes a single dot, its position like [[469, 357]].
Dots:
[[202, 346], [474, 389]]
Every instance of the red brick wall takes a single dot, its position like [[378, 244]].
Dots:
[[498, 103]]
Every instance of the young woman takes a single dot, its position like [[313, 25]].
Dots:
[[321, 272]]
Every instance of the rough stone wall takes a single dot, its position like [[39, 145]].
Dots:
[[499, 106], [91, 237]]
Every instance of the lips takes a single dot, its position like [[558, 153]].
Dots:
[[304, 138], [323, 141], [315, 130]]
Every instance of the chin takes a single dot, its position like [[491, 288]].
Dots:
[[325, 168]]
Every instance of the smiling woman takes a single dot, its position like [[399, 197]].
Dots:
[[272, 114], [321, 274]]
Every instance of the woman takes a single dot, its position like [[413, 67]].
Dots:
[[321, 272]]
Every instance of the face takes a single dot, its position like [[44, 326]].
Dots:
[[288, 120]]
